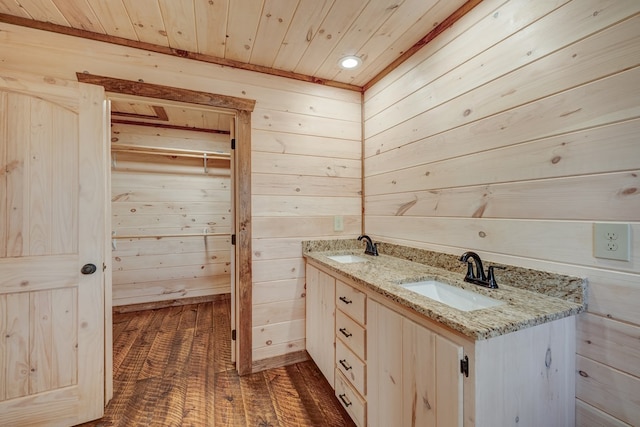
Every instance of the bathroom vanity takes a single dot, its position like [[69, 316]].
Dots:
[[395, 357]]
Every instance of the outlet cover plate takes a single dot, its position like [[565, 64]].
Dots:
[[338, 223], [611, 241]]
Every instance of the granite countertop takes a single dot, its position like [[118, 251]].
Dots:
[[532, 297]]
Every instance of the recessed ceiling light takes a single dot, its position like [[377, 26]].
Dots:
[[350, 62]]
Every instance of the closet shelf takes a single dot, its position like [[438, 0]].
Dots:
[[160, 236], [162, 151]]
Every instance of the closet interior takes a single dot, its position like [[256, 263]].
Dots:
[[171, 206]]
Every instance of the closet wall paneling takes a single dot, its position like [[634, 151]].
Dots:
[[170, 217]]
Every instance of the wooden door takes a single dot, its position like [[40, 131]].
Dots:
[[52, 201]]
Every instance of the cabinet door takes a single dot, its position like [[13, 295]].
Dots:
[[419, 375], [320, 320], [384, 366], [449, 386]]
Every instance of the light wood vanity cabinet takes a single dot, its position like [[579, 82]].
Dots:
[[398, 368]]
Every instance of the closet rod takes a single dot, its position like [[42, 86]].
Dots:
[[159, 236], [125, 148]]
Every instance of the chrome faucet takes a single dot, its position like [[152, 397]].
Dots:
[[479, 278], [372, 248]]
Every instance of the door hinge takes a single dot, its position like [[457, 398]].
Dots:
[[233, 335], [233, 143], [464, 366], [233, 239]]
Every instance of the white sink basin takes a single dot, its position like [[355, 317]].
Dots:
[[347, 259], [452, 296]]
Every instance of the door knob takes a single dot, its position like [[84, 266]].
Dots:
[[88, 269]]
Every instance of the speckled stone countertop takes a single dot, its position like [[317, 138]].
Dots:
[[532, 297]]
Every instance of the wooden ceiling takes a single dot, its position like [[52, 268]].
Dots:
[[302, 39]]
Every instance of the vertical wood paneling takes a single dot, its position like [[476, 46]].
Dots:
[[40, 194], [474, 146], [17, 343], [17, 177], [41, 343], [4, 338], [64, 158], [64, 332], [4, 171]]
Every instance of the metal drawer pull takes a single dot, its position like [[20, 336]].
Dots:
[[345, 300], [345, 401], [345, 332], [344, 364]]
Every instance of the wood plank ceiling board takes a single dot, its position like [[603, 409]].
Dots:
[[298, 39], [179, 19], [340, 17], [363, 28], [304, 26], [391, 39], [114, 18], [146, 17], [13, 8], [44, 10], [211, 26], [242, 26], [80, 15], [273, 26]]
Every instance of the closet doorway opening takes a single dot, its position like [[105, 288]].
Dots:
[[180, 137]]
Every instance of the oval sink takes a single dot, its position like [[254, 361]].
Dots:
[[347, 259], [452, 296]]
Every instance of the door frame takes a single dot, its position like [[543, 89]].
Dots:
[[242, 189]]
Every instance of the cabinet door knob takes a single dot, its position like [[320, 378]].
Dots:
[[345, 332], [345, 300]]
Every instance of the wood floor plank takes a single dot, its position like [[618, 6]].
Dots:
[[174, 369]]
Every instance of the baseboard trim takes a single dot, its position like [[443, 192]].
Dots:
[[280, 361], [169, 303]]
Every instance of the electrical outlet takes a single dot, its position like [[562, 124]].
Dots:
[[338, 223], [611, 241]]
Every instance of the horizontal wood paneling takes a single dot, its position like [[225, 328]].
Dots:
[[156, 202], [511, 140], [305, 136]]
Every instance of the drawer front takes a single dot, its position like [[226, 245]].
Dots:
[[351, 401], [351, 301], [351, 333], [351, 366]]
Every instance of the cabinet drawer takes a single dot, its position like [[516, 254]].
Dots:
[[350, 400], [351, 333], [351, 301], [351, 366]]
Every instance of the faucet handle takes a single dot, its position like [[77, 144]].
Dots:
[[491, 277]]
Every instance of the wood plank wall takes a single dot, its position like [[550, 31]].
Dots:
[[306, 159], [160, 195], [510, 134]]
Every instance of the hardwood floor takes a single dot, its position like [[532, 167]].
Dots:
[[172, 367]]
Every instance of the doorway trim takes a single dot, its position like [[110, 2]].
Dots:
[[243, 108]]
